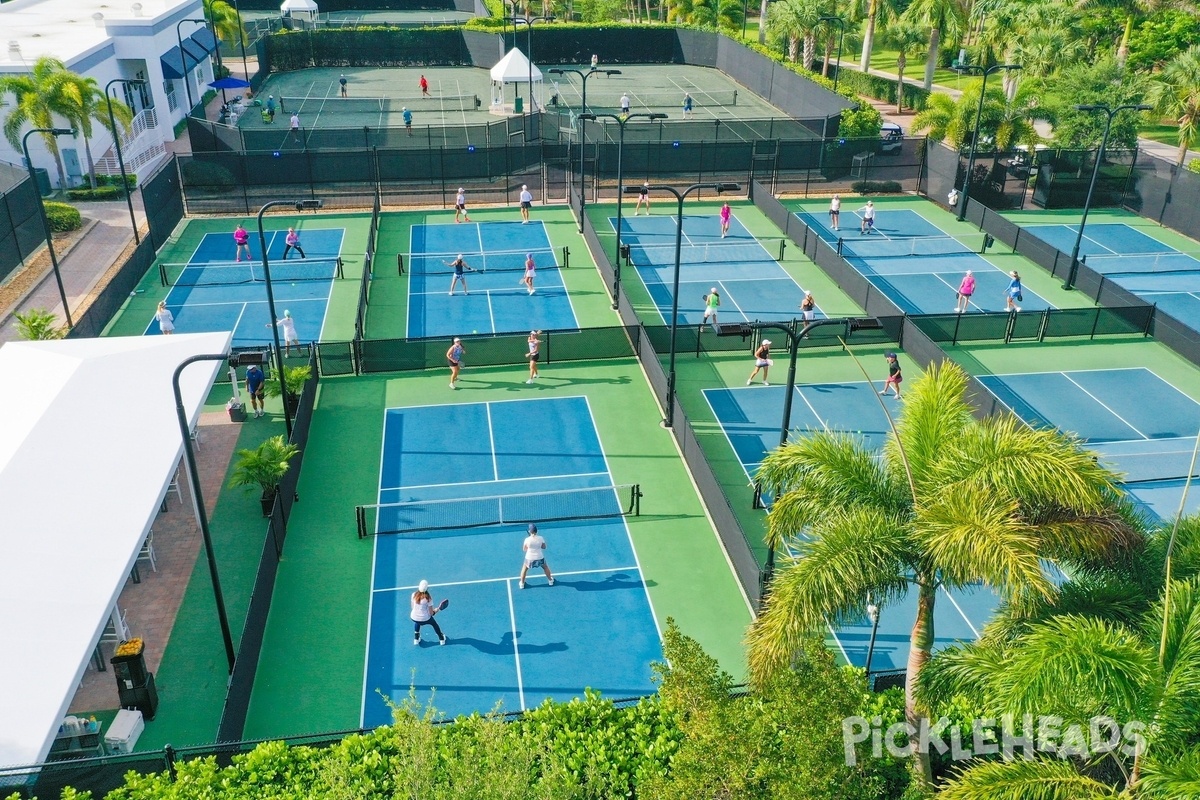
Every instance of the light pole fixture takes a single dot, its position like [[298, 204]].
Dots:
[[841, 23], [529, 21], [873, 615], [185, 431], [242, 39], [62, 292], [584, 77], [679, 197], [621, 121], [300, 205], [137, 239], [976, 70], [187, 83], [1087, 203]]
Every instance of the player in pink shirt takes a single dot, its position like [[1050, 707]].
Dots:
[[726, 213], [242, 239], [965, 290]]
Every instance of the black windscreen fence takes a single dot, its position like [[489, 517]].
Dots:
[[21, 229], [162, 194], [115, 293], [1166, 193]]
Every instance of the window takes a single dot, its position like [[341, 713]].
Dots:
[[169, 89]]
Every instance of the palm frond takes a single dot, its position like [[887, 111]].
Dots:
[[1041, 779], [935, 414], [1172, 778]]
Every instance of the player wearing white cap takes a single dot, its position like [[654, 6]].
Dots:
[[460, 206], [762, 360], [712, 302], [526, 204], [423, 611], [535, 555]]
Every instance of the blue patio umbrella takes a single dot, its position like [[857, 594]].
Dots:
[[229, 83]]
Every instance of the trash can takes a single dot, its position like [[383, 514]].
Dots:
[[43, 180], [518, 107]]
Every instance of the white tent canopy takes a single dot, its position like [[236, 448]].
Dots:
[[515, 68], [90, 441]]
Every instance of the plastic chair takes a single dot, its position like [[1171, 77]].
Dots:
[[147, 551]]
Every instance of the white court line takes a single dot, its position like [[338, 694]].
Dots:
[[487, 407], [241, 314], [512, 617], [1075, 230], [824, 422], [479, 581], [838, 641], [503, 480], [725, 433], [547, 290], [1095, 369], [729, 295], [961, 613], [1106, 407], [491, 402]]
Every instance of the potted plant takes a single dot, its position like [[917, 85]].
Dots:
[[294, 379], [264, 467]]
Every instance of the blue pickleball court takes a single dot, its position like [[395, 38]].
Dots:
[[212, 292], [594, 628], [744, 271], [917, 265], [497, 301], [751, 418]]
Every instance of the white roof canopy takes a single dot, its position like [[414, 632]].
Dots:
[[89, 442], [514, 68]]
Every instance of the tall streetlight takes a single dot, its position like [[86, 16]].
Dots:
[[1087, 203], [621, 121], [529, 21], [62, 292], [841, 23], [300, 205], [679, 197], [873, 615], [185, 431], [242, 39], [112, 121], [584, 77], [976, 70], [187, 83]]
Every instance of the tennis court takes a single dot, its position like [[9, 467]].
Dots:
[[593, 628], [1141, 425], [497, 301], [744, 270], [916, 264], [751, 416], [211, 292]]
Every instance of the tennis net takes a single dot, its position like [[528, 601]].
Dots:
[[880, 247], [648, 255], [1141, 460], [380, 105], [230, 273], [494, 261], [1143, 262], [475, 512], [672, 99]]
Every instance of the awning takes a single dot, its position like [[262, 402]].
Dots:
[[173, 64], [205, 39]]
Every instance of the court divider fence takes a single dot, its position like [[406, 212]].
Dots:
[[105, 305], [21, 231]]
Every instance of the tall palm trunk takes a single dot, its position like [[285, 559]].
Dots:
[[793, 48], [919, 648], [1182, 152], [1123, 48], [810, 46], [864, 63], [828, 55], [91, 165], [762, 23], [901, 63], [935, 39]]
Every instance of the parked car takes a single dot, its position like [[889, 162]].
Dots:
[[891, 138]]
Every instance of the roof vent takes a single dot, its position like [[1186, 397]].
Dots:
[[14, 50], [99, 19], [137, 9]]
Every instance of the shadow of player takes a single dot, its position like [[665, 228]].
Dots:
[[505, 646]]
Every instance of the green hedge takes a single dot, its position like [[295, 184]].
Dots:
[[63, 217], [99, 193], [879, 88], [366, 47], [115, 180], [876, 187]]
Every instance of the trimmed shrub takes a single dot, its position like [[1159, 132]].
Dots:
[[876, 187], [115, 180], [878, 88], [63, 217], [99, 193]]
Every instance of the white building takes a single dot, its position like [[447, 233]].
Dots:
[[107, 39]]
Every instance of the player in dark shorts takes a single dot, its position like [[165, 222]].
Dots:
[[255, 381], [454, 359], [459, 266], [894, 377], [643, 199]]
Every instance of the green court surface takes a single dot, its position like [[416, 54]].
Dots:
[[310, 677]]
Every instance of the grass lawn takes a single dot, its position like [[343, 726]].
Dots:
[[884, 59], [1166, 133]]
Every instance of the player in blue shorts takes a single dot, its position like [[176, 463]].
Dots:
[[868, 217]]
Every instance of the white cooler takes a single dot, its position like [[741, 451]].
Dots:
[[124, 731]]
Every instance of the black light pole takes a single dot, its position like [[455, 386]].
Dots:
[[529, 55], [976, 70], [62, 292], [745, 14], [679, 197], [873, 615], [621, 120], [242, 39], [185, 431], [187, 83], [584, 77], [841, 23], [1087, 203], [137, 239], [300, 205]]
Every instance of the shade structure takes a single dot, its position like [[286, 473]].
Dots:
[[229, 83]]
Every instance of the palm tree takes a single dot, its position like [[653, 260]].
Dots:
[[943, 118], [86, 102], [38, 324], [797, 21], [876, 12], [40, 99], [1015, 123], [224, 21], [908, 40], [1175, 93], [1131, 9], [938, 17], [952, 501]]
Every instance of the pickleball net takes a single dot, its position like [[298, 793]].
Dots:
[[380, 105], [232, 273], [493, 261], [657, 255], [597, 502], [672, 99], [1144, 460], [880, 246]]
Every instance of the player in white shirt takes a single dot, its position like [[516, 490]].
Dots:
[[868, 217], [287, 327], [526, 203], [535, 555]]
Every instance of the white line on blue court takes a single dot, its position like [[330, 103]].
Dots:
[[824, 424], [487, 407], [491, 315], [961, 613], [838, 641], [478, 581], [1105, 406], [502, 480], [490, 402], [512, 616], [729, 294]]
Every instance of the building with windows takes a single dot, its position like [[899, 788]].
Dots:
[[162, 42]]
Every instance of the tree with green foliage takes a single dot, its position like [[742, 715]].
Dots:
[[1103, 83], [873, 14], [940, 18], [907, 40], [1175, 93], [797, 22], [864, 122], [86, 104], [41, 99], [952, 502], [1130, 11], [38, 324], [1162, 36], [224, 19], [943, 119]]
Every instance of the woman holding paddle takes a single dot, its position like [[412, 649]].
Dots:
[[423, 612]]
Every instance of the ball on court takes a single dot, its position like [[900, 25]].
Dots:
[[474, 331]]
